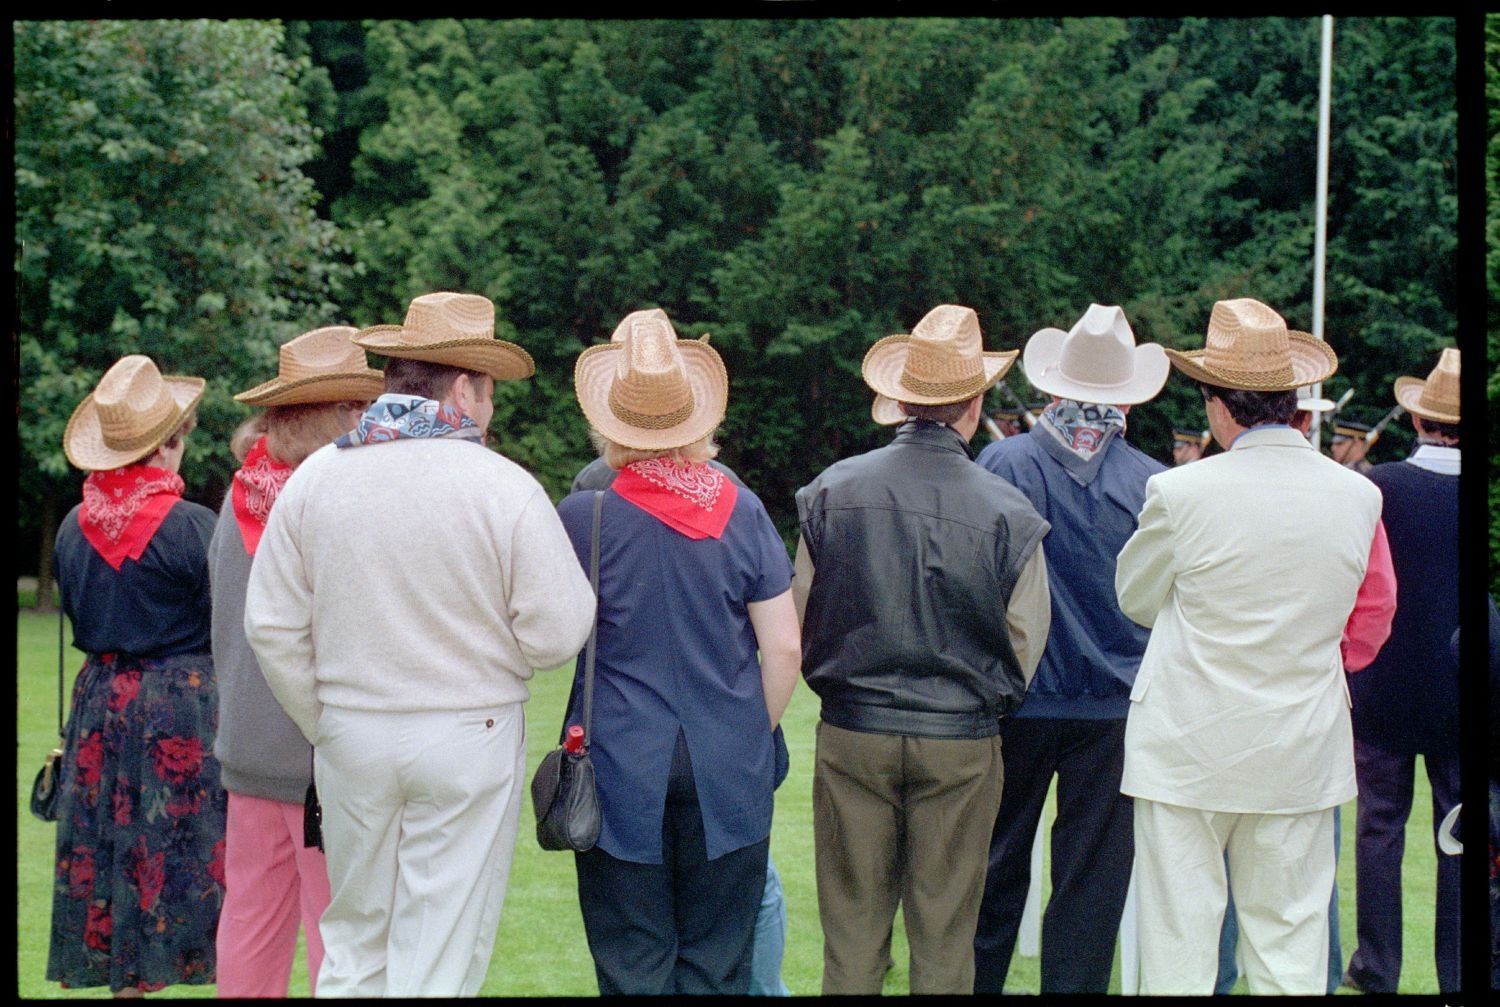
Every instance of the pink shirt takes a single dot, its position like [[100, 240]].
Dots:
[[1369, 625]]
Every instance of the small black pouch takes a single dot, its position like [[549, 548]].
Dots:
[[44, 789], [566, 802], [312, 818]]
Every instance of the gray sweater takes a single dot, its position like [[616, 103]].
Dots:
[[260, 751]]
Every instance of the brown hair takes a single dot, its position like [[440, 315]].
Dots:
[[188, 425], [424, 378], [948, 413], [294, 432]]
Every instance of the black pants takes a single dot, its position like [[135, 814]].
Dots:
[[684, 926], [1093, 844], [1385, 794]]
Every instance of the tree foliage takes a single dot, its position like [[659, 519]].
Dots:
[[800, 188], [160, 209]]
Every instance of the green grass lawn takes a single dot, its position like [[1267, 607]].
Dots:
[[540, 949]]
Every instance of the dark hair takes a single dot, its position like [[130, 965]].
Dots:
[[188, 425], [1250, 409], [422, 377], [1445, 431], [949, 413]]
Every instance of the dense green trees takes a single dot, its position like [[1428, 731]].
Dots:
[[801, 188], [159, 209]]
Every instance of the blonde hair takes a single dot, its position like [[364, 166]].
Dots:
[[617, 456], [245, 435], [294, 432]]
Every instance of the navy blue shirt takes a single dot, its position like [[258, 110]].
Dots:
[[156, 606], [676, 650], [1093, 649]]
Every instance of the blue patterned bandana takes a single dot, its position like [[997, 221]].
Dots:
[[394, 417], [1084, 428]]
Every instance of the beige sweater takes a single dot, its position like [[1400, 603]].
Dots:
[[412, 575]]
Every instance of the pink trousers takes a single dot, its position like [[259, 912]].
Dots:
[[270, 880]]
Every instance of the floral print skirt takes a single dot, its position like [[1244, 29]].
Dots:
[[140, 827]]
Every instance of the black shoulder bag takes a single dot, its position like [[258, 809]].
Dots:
[[562, 791], [44, 789]]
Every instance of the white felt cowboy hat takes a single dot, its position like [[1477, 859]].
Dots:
[[1309, 403], [648, 390], [1095, 361], [1436, 398], [943, 360], [128, 415], [323, 365], [1249, 347], [453, 329]]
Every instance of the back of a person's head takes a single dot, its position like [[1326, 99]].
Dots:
[[423, 378], [1253, 408], [294, 432]]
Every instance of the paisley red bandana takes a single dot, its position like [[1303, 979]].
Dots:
[[693, 498], [122, 508], [255, 488]]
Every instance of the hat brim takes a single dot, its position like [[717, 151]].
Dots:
[[885, 361], [1311, 358], [501, 360], [1041, 362], [1409, 397], [341, 387], [83, 437], [595, 371], [886, 411]]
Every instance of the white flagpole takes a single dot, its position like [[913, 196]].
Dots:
[[1325, 87]]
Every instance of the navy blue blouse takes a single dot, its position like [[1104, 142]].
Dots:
[[156, 606], [676, 650]]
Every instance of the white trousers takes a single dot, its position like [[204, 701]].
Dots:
[[419, 822], [1281, 868]]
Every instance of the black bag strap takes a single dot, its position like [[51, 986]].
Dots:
[[588, 659], [60, 734]]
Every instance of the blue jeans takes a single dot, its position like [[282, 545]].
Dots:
[[770, 939], [1229, 934]]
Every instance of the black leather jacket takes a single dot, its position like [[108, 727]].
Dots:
[[916, 550]]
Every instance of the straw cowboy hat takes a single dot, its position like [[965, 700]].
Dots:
[[1249, 347], [1095, 361], [1436, 398], [128, 415], [942, 361], [318, 366], [453, 329], [648, 390]]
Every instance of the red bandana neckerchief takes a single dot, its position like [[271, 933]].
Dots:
[[122, 508], [256, 486], [693, 498]]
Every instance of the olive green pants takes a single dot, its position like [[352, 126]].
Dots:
[[901, 821]]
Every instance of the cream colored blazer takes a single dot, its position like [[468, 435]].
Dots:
[[1245, 566]]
